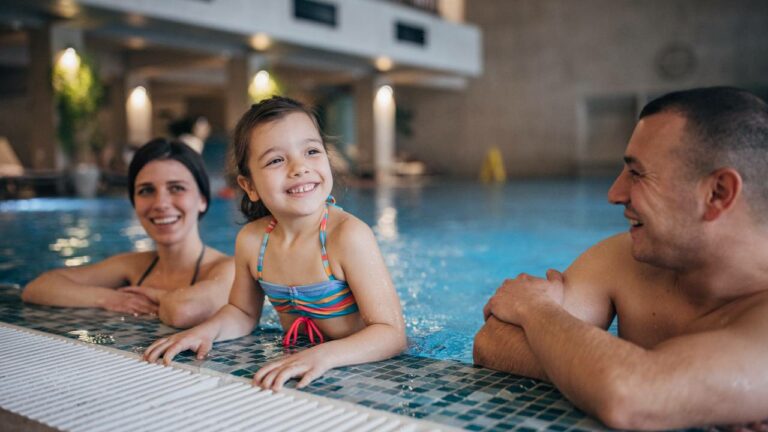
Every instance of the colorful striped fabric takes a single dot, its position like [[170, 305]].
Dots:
[[326, 299]]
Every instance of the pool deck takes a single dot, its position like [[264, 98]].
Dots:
[[446, 392]]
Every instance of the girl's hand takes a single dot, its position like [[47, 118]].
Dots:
[[193, 339], [309, 364], [128, 302]]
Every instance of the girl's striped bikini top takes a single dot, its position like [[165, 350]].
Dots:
[[326, 299]]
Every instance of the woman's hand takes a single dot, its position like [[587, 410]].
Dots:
[[309, 364], [154, 294], [129, 302], [195, 339]]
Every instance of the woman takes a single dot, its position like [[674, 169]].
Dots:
[[183, 281]]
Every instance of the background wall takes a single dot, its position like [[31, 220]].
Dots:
[[564, 80]]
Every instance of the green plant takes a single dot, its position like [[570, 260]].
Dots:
[[78, 93]]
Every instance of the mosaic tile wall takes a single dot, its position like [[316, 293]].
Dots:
[[446, 392]]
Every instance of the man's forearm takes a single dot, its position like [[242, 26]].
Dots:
[[503, 347]]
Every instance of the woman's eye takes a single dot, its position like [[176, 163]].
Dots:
[[144, 191], [177, 188]]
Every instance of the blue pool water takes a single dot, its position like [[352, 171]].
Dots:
[[448, 245]]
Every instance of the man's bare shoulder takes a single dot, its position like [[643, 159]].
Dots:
[[610, 259]]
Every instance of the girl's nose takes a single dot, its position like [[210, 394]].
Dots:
[[298, 169]]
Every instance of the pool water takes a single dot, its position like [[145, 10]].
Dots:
[[448, 246]]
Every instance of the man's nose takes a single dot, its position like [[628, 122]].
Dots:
[[619, 191]]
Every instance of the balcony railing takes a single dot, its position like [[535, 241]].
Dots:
[[424, 5]]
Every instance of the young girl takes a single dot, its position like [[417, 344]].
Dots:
[[318, 265]]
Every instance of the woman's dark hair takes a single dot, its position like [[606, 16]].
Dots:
[[162, 149], [265, 111]]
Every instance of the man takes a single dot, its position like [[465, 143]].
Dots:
[[689, 282]]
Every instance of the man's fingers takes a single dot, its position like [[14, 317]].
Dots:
[[554, 276], [487, 311]]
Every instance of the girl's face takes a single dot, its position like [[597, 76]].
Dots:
[[290, 171], [167, 201]]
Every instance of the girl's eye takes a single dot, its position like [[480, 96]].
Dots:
[[313, 151], [274, 161]]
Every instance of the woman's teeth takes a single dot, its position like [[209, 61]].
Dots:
[[303, 188], [165, 220]]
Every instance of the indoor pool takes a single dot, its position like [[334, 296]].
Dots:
[[447, 245]]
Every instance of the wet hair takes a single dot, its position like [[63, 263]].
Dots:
[[725, 127], [266, 111], [162, 149]]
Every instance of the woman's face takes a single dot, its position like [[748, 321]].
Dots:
[[168, 201]]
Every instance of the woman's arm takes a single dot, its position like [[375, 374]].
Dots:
[[233, 320], [186, 307], [384, 332], [91, 286]]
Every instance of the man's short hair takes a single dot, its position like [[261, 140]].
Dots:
[[725, 127]]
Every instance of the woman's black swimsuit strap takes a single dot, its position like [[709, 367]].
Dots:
[[157, 258]]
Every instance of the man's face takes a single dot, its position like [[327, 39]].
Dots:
[[659, 197]]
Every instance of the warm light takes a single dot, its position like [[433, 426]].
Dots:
[[67, 8], [262, 86], [260, 41], [383, 63], [137, 20], [261, 81], [69, 61], [138, 98], [139, 114], [136, 42], [384, 96]]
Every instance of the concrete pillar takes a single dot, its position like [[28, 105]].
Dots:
[[384, 132], [363, 93], [42, 143], [236, 91]]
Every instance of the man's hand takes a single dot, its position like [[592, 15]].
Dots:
[[517, 296]]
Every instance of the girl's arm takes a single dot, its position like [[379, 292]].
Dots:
[[233, 320], [384, 332], [91, 286]]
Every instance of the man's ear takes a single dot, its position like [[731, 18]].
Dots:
[[247, 187], [724, 187]]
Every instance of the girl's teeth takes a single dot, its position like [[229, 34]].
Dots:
[[302, 188]]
